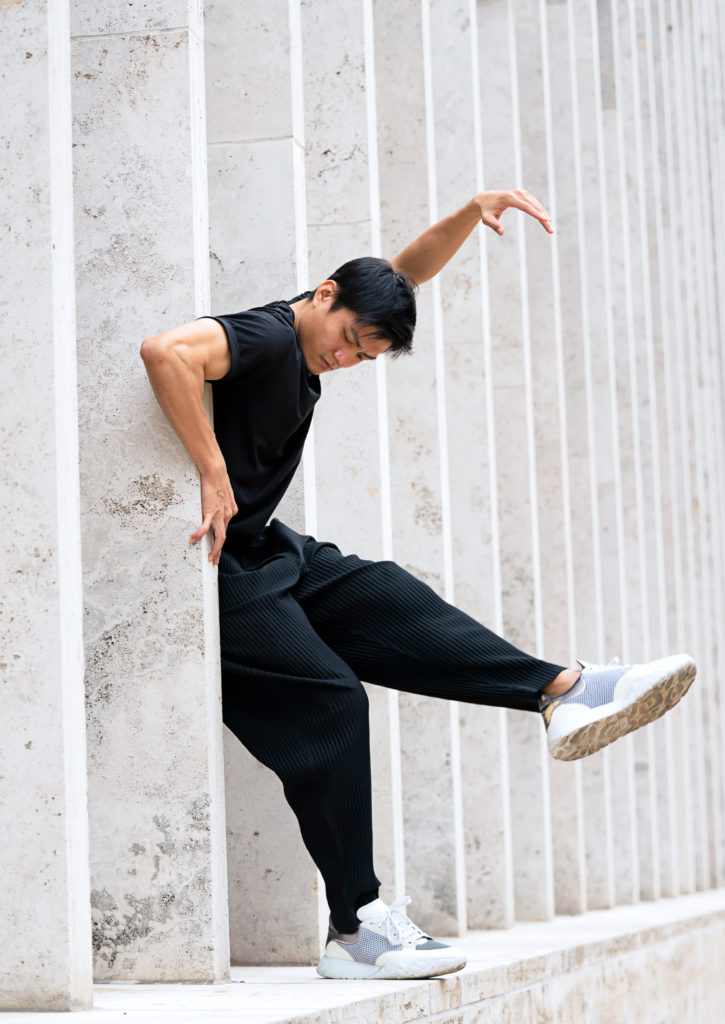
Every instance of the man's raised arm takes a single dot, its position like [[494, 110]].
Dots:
[[178, 362], [429, 253]]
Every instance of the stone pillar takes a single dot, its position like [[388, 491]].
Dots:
[[712, 131], [662, 430], [471, 454], [151, 622], [516, 461], [709, 506], [617, 492], [585, 340], [678, 719], [419, 499], [637, 405], [351, 436], [688, 338], [44, 906], [258, 236], [539, 122]]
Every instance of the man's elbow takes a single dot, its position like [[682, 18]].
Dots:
[[153, 349], [147, 346]]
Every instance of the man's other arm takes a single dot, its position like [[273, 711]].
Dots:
[[429, 253], [178, 362]]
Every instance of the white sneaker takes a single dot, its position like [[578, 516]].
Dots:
[[608, 701], [388, 945]]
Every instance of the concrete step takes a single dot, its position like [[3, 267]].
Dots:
[[651, 963]]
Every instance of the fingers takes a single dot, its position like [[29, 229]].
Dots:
[[217, 525], [491, 221], [202, 529], [220, 535], [524, 201], [493, 204]]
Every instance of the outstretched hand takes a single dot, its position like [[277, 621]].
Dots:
[[493, 204], [217, 508]]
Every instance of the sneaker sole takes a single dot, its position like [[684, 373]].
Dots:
[[646, 708], [340, 970]]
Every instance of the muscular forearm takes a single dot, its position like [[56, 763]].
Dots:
[[179, 388], [429, 253]]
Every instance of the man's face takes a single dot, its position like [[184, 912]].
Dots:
[[334, 340]]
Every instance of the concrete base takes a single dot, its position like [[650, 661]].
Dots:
[[652, 963]]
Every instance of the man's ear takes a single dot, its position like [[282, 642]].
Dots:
[[325, 292]]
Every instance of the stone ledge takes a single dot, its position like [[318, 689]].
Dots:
[[651, 962]]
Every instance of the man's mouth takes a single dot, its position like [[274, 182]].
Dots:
[[325, 364]]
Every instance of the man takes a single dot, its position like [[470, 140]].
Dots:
[[301, 624]]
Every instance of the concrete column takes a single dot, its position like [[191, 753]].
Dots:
[[551, 414], [151, 627], [679, 717], [258, 252], [641, 490], [44, 906], [421, 541], [709, 505], [618, 501], [714, 144], [663, 429], [516, 461], [689, 339], [591, 466], [471, 454], [351, 439]]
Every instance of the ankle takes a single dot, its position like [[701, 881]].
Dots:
[[562, 683]]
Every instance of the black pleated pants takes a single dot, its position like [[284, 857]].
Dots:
[[301, 625]]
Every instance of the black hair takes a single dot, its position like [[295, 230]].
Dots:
[[382, 299]]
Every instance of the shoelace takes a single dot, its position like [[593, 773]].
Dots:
[[398, 926], [597, 668]]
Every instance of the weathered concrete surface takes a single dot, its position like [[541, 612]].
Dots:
[[428, 731], [151, 622], [258, 252], [653, 963], [44, 907]]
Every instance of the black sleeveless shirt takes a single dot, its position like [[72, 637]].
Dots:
[[262, 412]]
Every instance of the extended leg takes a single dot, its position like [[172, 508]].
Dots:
[[394, 630]]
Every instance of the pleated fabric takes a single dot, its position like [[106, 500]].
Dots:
[[301, 625]]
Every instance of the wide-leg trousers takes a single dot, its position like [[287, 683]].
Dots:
[[301, 625]]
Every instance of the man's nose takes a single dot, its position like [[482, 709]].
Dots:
[[340, 357]]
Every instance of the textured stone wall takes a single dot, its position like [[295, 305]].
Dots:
[[44, 911], [551, 458], [156, 808]]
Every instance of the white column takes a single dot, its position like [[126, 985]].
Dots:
[[709, 505], [258, 253], [618, 501], [419, 500], [539, 128], [642, 489], [663, 429], [515, 461], [685, 263], [351, 439], [151, 628], [715, 147], [471, 455], [44, 904], [593, 577]]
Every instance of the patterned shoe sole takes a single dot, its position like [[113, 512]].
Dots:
[[645, 709]]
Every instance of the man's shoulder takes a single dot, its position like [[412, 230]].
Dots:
[[261, 338]]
